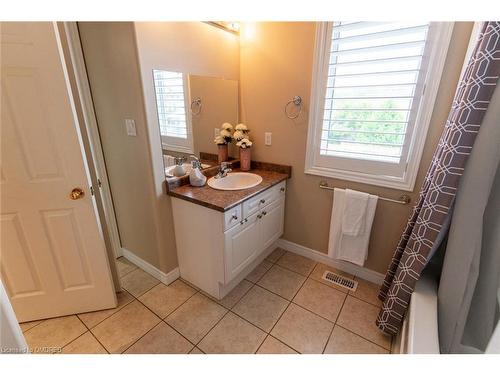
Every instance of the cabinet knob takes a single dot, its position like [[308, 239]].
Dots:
[[282, 189], [234, 217], [241, 222], [262, 201], [259, 216], [246, 220], [264, 213]]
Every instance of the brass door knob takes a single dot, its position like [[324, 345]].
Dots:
[[76, 193]]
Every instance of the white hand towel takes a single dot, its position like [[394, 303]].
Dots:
[[341, 246], [336, 222], [353, 218]]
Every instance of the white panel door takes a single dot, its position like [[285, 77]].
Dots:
[[53, 259]]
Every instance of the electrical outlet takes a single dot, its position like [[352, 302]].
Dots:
[[130, 127], [216, 131], [268, 139]]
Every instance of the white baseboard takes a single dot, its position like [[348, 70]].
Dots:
[[166, 278], [353, 269]]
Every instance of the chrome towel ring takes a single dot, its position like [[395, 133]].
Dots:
[[297, 101], [196, 103]]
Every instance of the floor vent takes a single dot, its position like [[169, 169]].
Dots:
[[342, 281]]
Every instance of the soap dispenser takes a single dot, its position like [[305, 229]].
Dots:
[[179, 170], [196, 177]]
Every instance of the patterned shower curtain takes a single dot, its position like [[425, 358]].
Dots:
[[428, 222]]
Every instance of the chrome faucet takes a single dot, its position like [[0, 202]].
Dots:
[[223, 170]]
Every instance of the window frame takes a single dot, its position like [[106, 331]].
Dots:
[[367, 171], [176, 144]]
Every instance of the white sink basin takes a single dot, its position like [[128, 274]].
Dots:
[[235, 181]]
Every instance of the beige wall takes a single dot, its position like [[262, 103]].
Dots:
[[187, 47], [110, 56], [220, 104], [134, 164], [276, 64]]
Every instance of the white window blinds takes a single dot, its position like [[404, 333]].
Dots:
[[170, 101], [373, 89]]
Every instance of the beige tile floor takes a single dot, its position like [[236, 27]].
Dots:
[[282, 307]]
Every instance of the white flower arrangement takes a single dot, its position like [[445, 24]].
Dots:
[[241, 132], [244, 143], [242, 127], [219, 140], [241, 136], [225, 136]]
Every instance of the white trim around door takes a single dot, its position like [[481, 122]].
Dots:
[[90, 119]]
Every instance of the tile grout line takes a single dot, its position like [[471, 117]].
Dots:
[[334, 324], [161, 319], [115, 312], [228, 310], [122, 275], [77, 337], [357, 334], [137, 299], [362, 300], [88, 330], [340, 325], [288, 305], [135, 342], [174, 310], [23, 332], [215, 325], [191, 342], [281, 315], [231, 311], [364, 338], [284, 343], [147, 290]]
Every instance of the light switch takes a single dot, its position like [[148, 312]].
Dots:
[[268, 139], [216, 131], [130, 127]]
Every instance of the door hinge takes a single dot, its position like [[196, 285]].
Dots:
[[99, 183], [92, 190]]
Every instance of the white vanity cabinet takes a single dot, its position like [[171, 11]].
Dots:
[[216, 250]]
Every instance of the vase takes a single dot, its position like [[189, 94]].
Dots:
[[222, 155], [245, 159]]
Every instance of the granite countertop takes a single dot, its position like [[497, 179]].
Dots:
[[223, 200]]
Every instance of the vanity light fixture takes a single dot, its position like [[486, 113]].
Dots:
[[230, 26]]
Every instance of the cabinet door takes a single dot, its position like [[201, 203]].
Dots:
[[242, 244], [272, 222]]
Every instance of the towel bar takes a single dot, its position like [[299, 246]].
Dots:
[[403, 199]]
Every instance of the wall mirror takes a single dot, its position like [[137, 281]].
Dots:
[[191, 108]]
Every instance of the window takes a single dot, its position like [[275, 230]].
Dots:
[[374, 88], [171, 98]]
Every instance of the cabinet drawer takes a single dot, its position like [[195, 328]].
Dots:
[[232, 217], [280, 189], [261, 200]]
